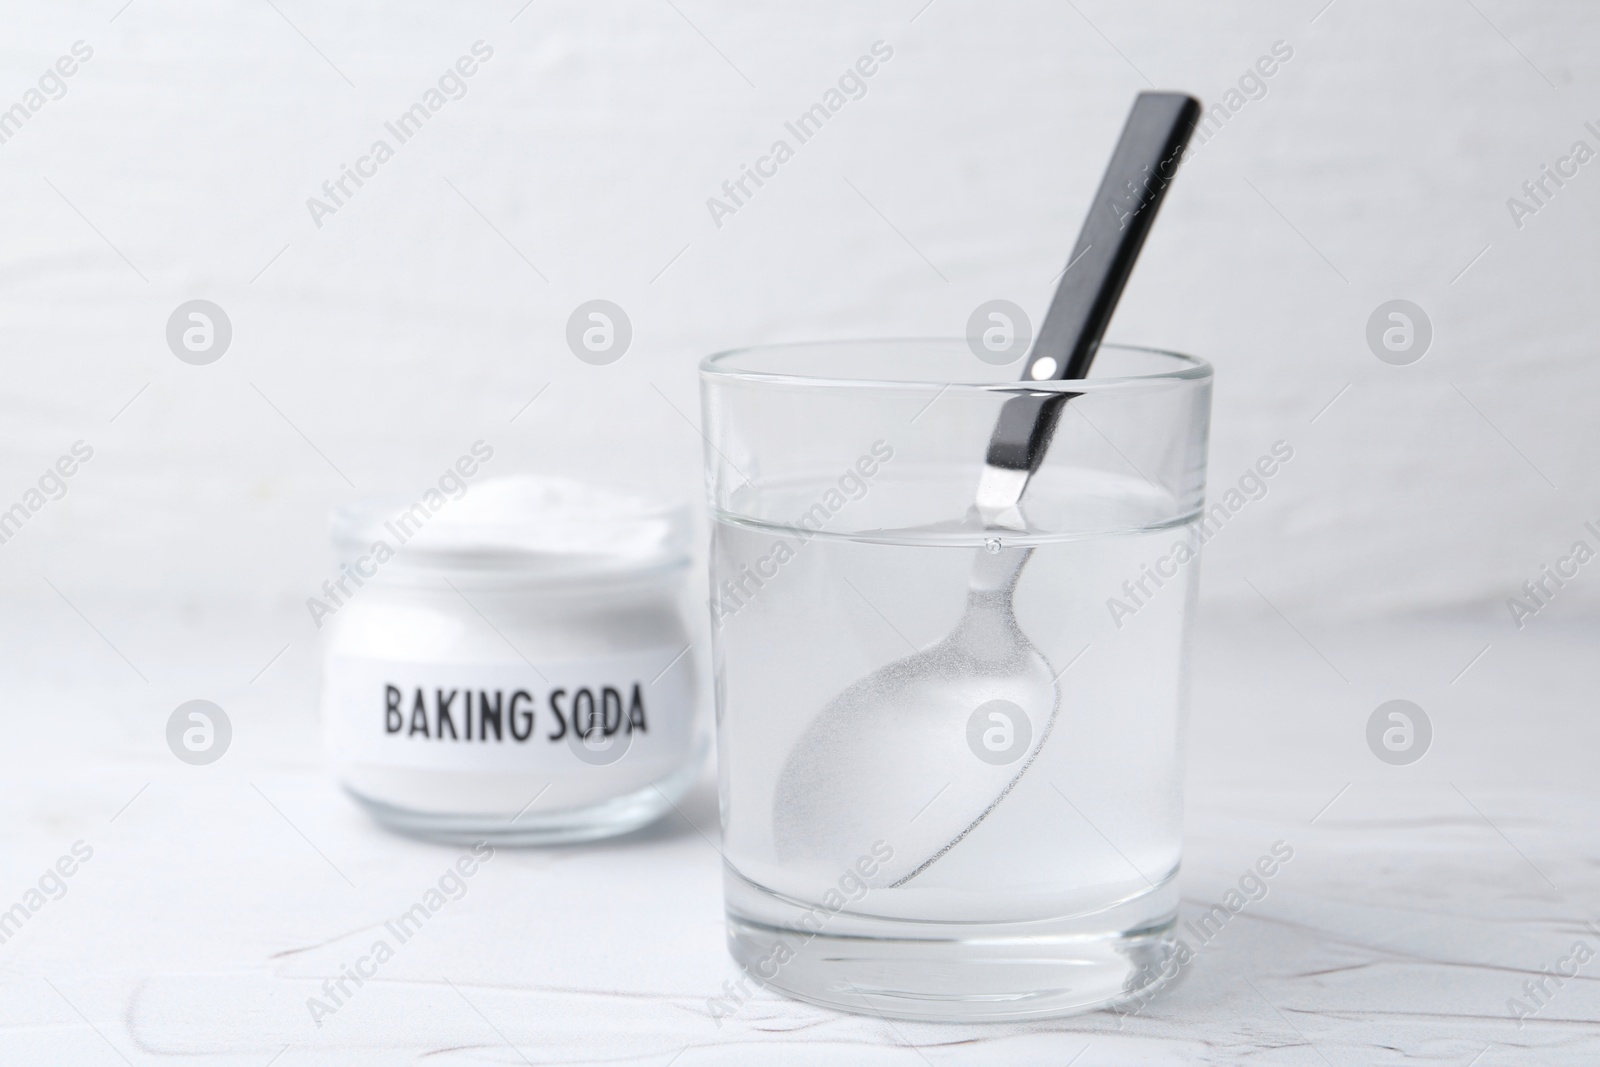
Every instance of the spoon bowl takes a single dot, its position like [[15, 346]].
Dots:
[[957, 724]]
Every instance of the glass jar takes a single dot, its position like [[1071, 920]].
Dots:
[[511, 663]]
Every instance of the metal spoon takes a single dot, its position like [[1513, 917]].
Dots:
[[841, 789]]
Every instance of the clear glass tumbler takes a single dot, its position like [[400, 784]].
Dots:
[[950, 754]]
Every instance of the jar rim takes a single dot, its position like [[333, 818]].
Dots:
[[532, 527]]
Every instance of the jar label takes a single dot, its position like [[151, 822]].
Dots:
[[516, 716]]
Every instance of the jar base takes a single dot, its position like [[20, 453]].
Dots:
[[563, 826], [940, 972]]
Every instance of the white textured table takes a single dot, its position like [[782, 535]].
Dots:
[[218, 900]]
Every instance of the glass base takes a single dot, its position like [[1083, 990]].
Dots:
[[961, 972], [563, 826]]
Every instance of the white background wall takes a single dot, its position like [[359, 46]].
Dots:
[[1376, 166]]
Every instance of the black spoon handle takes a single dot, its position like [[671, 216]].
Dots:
[[1146, 158]]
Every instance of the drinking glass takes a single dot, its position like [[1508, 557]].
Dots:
[[942, 798]]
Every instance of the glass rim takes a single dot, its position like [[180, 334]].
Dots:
[[714, 367]]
